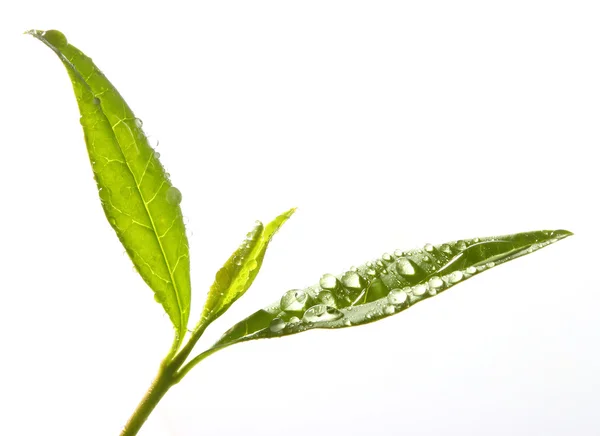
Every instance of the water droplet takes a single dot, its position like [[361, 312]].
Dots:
[[174, 196], [476, 240], [461, 245], [397, 297], [455, 277], [347, 322], [328, 281], [386, 257], [435, 282], [405, 267], [398, 253], [138, 123], [352, 280], [471, 270], [326, 298], [277, 325], [370, 264], [380, 264], [112, 221], [389, 310], [371, 272], [293, 300], [322, 313], [445, 248], [428, 247], [490, 264], [419, 290], [56, 38], [293, 320], [156, 154]]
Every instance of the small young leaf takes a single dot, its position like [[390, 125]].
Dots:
[[139, 201], [240, 270], [383, 287]]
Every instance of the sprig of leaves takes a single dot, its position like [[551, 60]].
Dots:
[[143, 207]]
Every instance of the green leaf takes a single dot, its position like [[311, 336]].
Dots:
[[383, 287], [139, 201], [240, 270]]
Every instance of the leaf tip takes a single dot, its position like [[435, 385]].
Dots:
[[560, 234], [53, 38], [290, 212]]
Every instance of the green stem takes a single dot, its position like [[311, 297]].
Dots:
[[167, 377], [159, 387]]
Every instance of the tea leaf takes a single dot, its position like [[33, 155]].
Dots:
[[383, 287], [139, 201], [240, 270]]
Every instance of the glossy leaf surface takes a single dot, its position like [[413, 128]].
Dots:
[[240, 270], [139, 201], [383, 287]]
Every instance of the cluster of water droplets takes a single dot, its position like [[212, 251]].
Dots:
[[379, 288]]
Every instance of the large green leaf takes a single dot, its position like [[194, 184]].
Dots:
[[240, 270], [141, 204], [383, 287]]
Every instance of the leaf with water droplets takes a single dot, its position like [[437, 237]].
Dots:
[[383, 287], [138, 199], [240, 270]]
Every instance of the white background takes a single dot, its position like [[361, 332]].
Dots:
[[390, 125]]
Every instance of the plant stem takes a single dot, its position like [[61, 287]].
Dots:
[[159, 387], [167, 377]]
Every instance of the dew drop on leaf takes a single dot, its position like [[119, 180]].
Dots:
[[138, 123], [352, 280], [56, 38], [446, 249], [461, 245], [328, 281], [404, 267], [455, 277], [428, 247], [277, 325], [389, 310], [293, 300], [435, 282], [322, 313], [490, 264], [174, 196], [397, 297], [326, 298], [471, 270], [294, 320], [419, 290]]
